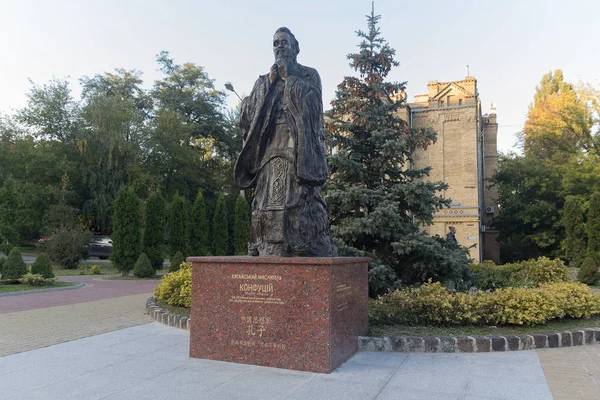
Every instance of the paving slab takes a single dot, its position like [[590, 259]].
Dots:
[[150, 361]]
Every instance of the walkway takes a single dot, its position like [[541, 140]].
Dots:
[[97, 343]]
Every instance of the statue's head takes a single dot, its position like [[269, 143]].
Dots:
[[285, 45]]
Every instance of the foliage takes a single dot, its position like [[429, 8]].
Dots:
[[432, 304], [68, 247], [574, 243], [176, 287], [96, 270], [199, 243], [588, 272], [378, 203], [9, 235], [127, 230], [36, 280], [593, 226], [42, 266], [241, 227], [528, 273], [143, 267], [220, 227], [154, 230], [176, 261], [14, 267], [178, 226]]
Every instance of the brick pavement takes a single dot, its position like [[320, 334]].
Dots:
[[96, 289]]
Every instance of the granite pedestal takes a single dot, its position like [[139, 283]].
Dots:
[[294, 313]]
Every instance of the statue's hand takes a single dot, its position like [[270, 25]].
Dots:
[[282, 68], [274, 74]]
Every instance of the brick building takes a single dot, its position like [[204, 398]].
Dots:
[[465, 156]]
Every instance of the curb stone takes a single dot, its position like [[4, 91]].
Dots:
[[434, 344], [50, 289]]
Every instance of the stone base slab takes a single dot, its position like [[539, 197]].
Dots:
[[294, 313]]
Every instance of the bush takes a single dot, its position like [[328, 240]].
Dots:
[[241, 227], [143, 267], [588, 272], [432, 304], [95, 269], [42, 266], [176, 262], [68, 248], [14, 267], [178, 225], [36, 280], [489, 276], [199, 243], [220, 227], [176, 287]]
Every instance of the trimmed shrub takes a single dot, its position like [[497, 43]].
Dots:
[[592, 226], [143, 267], [489, 276], [176, 262], [176, 287], [36, 280], [432, 304], [575, 242], [127, 230], [95, 269], [42, 266], [220, 227], [588, 272], [241, 227], [14, 267], [154, 232]]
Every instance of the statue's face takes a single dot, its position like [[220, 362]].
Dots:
[[282, 46]]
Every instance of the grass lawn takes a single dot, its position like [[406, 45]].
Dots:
[[133, 278], [554, 326], [21, 288]]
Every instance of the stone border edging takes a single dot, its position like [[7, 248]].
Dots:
[[433, 344], [479, 344], [23, 292], [165, 317]]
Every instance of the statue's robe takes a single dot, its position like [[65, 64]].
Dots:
[[284, 159]]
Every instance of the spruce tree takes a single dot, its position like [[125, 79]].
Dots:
[[127, 230], [574, 243], [593, 226], [13, 267], [178, 226], [154, 232], [143, 267], [378, 202], [241, 227], [199, 243], [176, 261], [220, 227]]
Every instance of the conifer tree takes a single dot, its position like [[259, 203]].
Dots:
[[154, 232], [378, 202], [592, 226], [143, 267], [199, 243], [178, 226], [13, 267], [241, 228], [127, 230], [220, 227], [574, 243], [42, 266]]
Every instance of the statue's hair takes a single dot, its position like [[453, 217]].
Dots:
[[294, 40]]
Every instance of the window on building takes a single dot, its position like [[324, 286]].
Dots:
[[450, 100], [441, 103], [460, 102]]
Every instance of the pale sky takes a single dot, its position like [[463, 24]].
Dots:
[[508, 44]]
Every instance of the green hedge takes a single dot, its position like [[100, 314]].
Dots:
[[530, 273], [432, 304]]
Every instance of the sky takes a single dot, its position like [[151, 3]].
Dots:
[[509, 45]]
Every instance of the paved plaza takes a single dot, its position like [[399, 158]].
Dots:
[[97, 343]]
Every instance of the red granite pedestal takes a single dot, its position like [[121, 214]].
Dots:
[[295, 313]]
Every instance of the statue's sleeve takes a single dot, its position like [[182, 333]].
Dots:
[[303, 95]]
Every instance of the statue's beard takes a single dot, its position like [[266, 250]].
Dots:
[[284, 55]]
